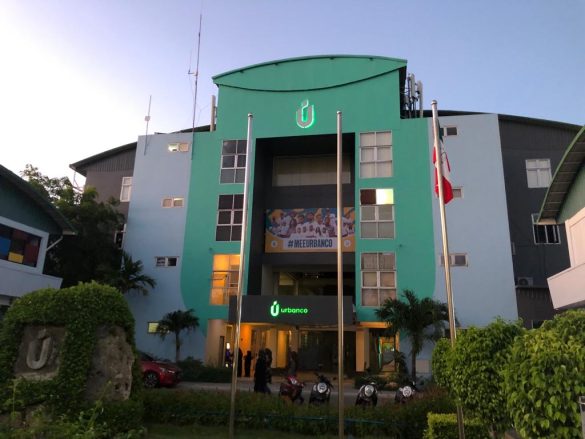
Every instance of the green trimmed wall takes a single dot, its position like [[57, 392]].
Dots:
[[366, 91]]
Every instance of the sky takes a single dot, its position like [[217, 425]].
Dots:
[[76, 75]]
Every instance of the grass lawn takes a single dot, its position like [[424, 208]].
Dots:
[[158, 431]]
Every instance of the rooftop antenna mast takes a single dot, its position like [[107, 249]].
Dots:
[[196, 72]]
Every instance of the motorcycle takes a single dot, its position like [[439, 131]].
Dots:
[[406, 392], [367, 395], [292, 389], [321, 390]]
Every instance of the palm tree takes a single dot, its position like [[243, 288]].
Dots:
[[130, 276], [414, 316], [177, 322]]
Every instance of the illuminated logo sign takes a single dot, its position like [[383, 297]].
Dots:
[[306, 115], [276, 310]]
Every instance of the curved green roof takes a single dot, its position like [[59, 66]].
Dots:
[[572, 165], [309, 73]]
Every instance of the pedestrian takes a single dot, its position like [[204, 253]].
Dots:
[[293, 363], [268, 365], [247, 364], [240, 354], [260, 385]]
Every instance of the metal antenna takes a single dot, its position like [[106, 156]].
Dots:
[[147, 120], [196, 72]]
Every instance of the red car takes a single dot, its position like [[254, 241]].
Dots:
[[158, 373]]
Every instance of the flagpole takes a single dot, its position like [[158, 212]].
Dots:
[[446, 257], [249, 153], [340, 349]]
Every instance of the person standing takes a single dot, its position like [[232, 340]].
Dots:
[[247, 364], [240, 355], [292, 364], [268, 365], [260, 385]]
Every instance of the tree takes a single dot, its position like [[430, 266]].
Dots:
[[91, 254], [176, 322], [130, 276], [414, 316]]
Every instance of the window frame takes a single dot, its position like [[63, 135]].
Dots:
[[548, 228], [175, 202], [377, 220], [166, 261], [226, 275], [236, 155], [376, 161], [128, 186], [378, 270], [453, 259], [178, 147], [542, 172], [232, 211]]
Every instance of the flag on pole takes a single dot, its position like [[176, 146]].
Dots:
[[446, 171]]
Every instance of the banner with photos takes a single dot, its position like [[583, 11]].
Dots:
[[308, 230]]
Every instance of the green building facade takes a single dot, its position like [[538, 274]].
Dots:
[[387, 191]]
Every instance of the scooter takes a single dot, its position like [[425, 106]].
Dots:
[[321, 391], [404, 393], [367, 395], [292, 389]]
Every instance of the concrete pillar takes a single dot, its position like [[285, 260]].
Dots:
[[213, 343]]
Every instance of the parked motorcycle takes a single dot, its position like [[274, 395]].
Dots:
[[406, 392], [292, 389], [321, 390], [367, 395]]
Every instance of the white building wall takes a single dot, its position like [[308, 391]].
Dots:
[[477, 223], [154, 231]]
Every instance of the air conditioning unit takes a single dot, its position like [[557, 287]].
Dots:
[[523, 281]]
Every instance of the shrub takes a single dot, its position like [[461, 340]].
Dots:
[[270, 412], [545, 377], [440, 362], [444, 426], [196, 371], [81, 310], [476, 373]]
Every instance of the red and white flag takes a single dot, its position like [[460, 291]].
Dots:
[[446, 171]]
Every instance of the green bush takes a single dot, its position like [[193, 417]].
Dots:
[[440, 362], [196, 371], [545, 377], [80, 310], [475, 375], [270, 412], [444, 426]]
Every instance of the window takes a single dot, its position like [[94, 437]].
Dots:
[[119, 236], [19, 246], [224, 279], [126, 189], [457, 192], [173, 202], [229, 217], [456, 260], [152, 327], [538, 173], [376, 154], [378, 278], [166, 261], [233, 161], [377, 213], [449, 131], [178, 147], [309, 170], [545, 233]]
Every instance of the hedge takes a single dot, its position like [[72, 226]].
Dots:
[[444, 426], [196, 371], [260, 411]]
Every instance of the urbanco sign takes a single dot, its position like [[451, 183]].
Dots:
[[293, 310]]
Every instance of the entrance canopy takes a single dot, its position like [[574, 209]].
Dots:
[[292, 310]]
